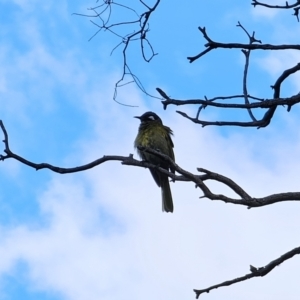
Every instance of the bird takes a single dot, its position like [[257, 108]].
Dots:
[[153, 134]]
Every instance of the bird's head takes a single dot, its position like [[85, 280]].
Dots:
[[148, 117]]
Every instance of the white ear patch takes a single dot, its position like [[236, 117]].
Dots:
[[151, 118]]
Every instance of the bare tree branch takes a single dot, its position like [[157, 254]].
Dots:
[[270, 104], [139, 33], [255, 272], [244, 198], [265, 103], [211, 45], [285, 6], [247, 56]]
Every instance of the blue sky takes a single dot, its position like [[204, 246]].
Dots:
[[101, 234]]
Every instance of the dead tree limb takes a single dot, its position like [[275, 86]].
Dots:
[[255, 272]]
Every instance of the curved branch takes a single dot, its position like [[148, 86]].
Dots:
[[286, 6], [252, 39], [211, 45], [244, 198], [60, 170], [255, 272]]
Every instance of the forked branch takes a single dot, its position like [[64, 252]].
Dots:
[[211, 45]]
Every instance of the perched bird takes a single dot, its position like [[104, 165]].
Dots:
[[153, 134]]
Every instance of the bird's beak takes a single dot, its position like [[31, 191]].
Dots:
[[137, 117]]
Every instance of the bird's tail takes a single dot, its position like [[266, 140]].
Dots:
[[167, 201]]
